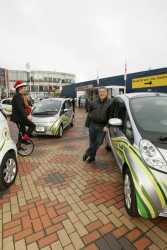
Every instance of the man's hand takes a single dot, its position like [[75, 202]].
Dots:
[[105, 129]]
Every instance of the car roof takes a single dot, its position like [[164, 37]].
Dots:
[[145, 94], [56, 98], [140, 94], [7, 98], [4, 99]]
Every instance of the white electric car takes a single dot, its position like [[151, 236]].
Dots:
[[8, 153], [6, 106]]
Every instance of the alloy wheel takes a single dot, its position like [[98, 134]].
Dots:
[[9, 172], [127, 191]]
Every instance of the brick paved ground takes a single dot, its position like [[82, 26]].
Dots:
[[60, 202]]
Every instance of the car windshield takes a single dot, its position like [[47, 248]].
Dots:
[[47, 107], [150, 115]]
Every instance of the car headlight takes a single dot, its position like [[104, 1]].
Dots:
[[152, 156]]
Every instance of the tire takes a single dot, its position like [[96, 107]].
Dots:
[[129, 194], [108, 148], [60, 133], [8, 171], [26, 149], [72, 122]]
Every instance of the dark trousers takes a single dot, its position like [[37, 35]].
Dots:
[[22, 127], [96, 137]]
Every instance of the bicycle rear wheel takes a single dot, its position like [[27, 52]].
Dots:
[[25, 148]]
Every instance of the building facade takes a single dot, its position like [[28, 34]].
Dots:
[[150, 80], [3, 82], [14, 75], [41, 83], [48, 81]]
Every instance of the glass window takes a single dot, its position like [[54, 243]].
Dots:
[[45, 106], [8, 101], [150, 113], [121, 91], [67, 104]]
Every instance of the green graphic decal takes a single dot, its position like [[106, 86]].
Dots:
[[142, 208], [3, 143], [146, 202]]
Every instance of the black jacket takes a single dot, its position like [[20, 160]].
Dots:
[[18, 113], [99, 112]]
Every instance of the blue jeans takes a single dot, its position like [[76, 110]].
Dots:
[[96, 137]]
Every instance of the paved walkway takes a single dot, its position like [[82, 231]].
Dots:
[[59, 202]]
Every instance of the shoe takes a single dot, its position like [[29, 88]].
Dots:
[[25, 137], [90, 160], [85, 156]]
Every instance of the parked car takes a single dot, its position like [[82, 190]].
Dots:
[[51, 116], [6, 106], [137, 135], [8, 153]]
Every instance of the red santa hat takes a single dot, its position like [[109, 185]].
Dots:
[[19, 83]]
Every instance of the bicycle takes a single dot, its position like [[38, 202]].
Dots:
[[24, 147]]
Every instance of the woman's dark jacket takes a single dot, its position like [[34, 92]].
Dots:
[[18, 113]]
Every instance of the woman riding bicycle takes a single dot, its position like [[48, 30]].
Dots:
[[19, 115]]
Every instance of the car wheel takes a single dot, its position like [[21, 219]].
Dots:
[[72, 122], [8, 170], [60, 133], [107, 147], [129, 194]]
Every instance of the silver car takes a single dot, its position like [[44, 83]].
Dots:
[[51, 116], [137, 135]]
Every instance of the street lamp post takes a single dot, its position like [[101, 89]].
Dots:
[[98, 80], [6, 82], [28, 69]]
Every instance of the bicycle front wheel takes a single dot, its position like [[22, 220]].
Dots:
[[25, 148]]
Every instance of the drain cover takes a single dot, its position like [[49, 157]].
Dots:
[[55, 178]]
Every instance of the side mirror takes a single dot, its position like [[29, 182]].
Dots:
[[115, 122]]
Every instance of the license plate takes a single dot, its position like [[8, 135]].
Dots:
[[40, 129]]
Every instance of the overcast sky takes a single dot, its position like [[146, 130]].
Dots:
[[83, 36]]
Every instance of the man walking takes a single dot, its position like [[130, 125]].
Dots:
[[97, 120]]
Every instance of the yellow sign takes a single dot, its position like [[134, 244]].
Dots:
[[150, 81]]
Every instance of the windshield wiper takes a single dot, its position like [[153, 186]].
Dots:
[[45, 112], [163, 138]]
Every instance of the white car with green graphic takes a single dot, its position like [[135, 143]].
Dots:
[[6, 106], [137, 135], [51, 116], [8, 153]]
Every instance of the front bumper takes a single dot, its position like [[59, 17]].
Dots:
[[163, 212], [46, 129]]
